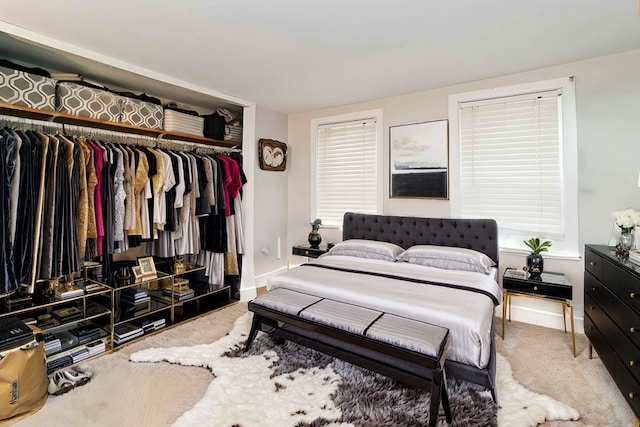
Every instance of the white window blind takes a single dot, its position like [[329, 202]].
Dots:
[[346, 170], [511, 163]]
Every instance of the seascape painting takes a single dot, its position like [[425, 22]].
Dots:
[[419, 160]]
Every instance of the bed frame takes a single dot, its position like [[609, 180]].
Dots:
[[477, 234]]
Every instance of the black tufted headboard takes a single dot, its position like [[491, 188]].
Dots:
[[477, 234]]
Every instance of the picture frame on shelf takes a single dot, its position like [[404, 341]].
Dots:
[[137, 273], [147, 267], [419, 160]]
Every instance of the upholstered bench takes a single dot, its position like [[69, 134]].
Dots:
[[375, 340]]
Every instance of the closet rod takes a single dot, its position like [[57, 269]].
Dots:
[[123, 137]]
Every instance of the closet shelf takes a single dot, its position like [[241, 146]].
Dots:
[[54, 116]]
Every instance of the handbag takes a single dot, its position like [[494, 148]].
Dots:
[[215, 126]]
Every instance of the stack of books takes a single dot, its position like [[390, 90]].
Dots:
[[79, 354], [134, 295], [135, 302], [67, 314], [96, 348], [59, 361], [72, 292], [150, 323], [46, 321], [634, 256], [86, 333], [179, 295], [52, 344], [125, 332]]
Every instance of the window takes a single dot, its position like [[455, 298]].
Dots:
[[517, 157], [346, 163]]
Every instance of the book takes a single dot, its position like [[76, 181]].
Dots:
[[67, 314], [634, 256]]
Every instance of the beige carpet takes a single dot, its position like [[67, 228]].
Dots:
[[132, 394], [542, 361]]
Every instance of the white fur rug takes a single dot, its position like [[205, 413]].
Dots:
[[243, 391]]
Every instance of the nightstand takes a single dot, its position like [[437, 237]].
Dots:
[[552, 287], [308, 251]]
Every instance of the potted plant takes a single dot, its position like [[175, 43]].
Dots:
[[315, 238], [535, 262]]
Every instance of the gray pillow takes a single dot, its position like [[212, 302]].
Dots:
[[447, 257], [371, 249]]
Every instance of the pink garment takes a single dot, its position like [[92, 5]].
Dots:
[[99, 162], [232, 181]]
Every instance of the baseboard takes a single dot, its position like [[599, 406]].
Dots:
[[543, 318], [260, 282]]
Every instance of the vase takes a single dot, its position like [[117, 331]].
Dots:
[[535, 265], [314, 238], [626, 238]]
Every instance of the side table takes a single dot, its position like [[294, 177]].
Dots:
[[308, 251], [552, 287]]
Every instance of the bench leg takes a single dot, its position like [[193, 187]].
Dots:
[[255, 326], [445, 399], [436, 387]]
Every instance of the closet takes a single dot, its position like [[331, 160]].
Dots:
[[82, 204]]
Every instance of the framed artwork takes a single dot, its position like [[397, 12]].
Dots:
[[419, 160], [137, 273], [272, 155], [147, 267]]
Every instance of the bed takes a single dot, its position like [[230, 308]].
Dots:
[[436, 270]]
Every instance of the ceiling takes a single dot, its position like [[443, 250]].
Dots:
[[300, 55]]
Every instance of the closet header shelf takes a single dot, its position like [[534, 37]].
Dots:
[[54, 116]]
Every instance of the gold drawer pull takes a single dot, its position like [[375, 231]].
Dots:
[[594, 289], [632, 363], [592, 263], [535, 288], [592, 307], [632, 395], [632, 295], [632, 329]]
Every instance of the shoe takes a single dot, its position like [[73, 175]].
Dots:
[[77, 377], [59, 384]]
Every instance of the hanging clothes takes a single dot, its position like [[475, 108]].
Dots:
[[8, 283]]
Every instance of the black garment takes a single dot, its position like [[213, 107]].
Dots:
[[48, 212], [62, 190], [8, 283], [202, 202], [30, 161]]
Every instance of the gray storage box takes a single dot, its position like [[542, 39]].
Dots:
[[88, 101], [26, 89]]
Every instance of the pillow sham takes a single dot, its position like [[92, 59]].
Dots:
[[447, 257], [371, 249]]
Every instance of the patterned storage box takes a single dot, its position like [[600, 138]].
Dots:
[[26, 89], [175, 121], [88, 101], [141, 113]]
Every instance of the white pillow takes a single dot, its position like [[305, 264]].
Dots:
[[371, 249], [448, 257]]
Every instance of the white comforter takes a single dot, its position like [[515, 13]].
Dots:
[[468, 315]]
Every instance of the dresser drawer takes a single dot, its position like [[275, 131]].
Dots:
[[592, 309], [629, 354], [627, 320], [623, 283], [628, 385], [600, 344], [593, 263]]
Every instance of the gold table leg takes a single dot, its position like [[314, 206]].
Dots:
[[504, 310]]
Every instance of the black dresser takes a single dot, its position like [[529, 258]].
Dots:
[[612, 317]]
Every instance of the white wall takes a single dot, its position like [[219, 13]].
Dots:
[[608, 120], [270, 201]]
